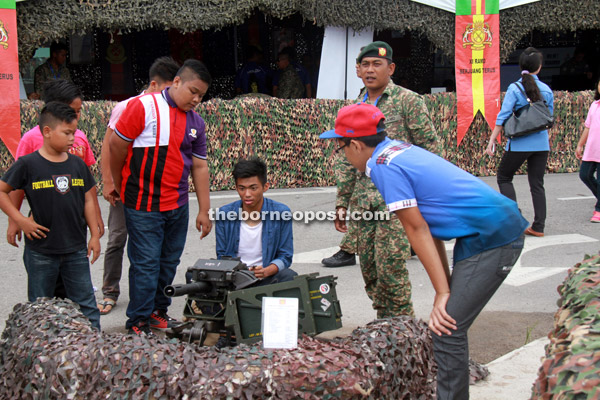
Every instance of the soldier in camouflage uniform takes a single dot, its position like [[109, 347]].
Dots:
[[290, 84], [382, 246], [53, 69]]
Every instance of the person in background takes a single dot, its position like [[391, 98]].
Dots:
[[590, 157], [162, 73], [53, 69], [312, 65], [576, 72], [291, 81], [254, 76], [533, 148]]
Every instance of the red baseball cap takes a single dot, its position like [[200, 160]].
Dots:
[[356, 120]]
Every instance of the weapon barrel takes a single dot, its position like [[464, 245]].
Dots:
[[188, 288]]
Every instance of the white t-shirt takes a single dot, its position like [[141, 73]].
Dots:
[[250, 247]]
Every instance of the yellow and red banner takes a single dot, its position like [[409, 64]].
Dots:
[[10, 118], [477, 62]]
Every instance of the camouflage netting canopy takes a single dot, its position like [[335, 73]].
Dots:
[[571, 367], [42, 20], [285, 133], [49, 351]]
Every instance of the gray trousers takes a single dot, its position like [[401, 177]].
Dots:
[[473, 282], [113, 256]]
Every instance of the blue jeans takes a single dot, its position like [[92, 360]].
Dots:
[[473, 282], [285, 275], [43, 271], [156, 241], [586, 174]]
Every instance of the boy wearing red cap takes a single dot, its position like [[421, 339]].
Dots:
[[436, 201]]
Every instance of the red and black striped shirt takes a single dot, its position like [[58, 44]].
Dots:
[[163, 141]]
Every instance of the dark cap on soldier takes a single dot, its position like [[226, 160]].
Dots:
[[375, 49], [356, 120]]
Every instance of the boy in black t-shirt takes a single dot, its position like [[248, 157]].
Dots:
[[58, 188]]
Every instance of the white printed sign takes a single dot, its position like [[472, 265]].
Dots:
[[280, 322]]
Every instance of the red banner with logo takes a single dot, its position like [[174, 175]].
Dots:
[[477, 62], [10, 117]]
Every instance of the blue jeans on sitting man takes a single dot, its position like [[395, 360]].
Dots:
[[43, 271], [156, 241], [285, 275]]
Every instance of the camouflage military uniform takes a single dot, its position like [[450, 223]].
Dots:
[[45, 73], [290, 84], [382, 245]]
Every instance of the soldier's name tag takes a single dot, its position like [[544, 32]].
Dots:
[[392, 119]]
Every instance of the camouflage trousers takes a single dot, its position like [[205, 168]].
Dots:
[[383, 249]]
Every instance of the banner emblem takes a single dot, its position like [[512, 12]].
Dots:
[[477, 35], [3, 36], [476, 63]]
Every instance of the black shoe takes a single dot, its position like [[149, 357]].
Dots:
[[339, 259], [141, 328], [160, 320]]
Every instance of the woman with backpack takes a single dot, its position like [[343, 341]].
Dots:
[[534, 147]]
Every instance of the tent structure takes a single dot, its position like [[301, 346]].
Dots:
[[43, 20]]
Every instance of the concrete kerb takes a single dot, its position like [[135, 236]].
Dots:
[[512, 375]]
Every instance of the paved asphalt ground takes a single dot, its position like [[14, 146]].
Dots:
[[530, 289]]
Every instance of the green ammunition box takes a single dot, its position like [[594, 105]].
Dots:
[[318, 306]]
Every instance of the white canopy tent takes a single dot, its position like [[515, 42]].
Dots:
[[337, 73]]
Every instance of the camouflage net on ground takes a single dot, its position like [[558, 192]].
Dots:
[[49, 350], [571, 368], [285, 133]]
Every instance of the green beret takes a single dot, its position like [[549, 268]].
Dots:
[[375, 49]]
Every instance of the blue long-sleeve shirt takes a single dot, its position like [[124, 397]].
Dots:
[[513, 100], [277, 235]]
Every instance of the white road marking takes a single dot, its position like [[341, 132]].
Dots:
[[576, 198], [519, 276], [522, 275]]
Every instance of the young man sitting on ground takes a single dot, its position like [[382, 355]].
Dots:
[[262, 241]]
